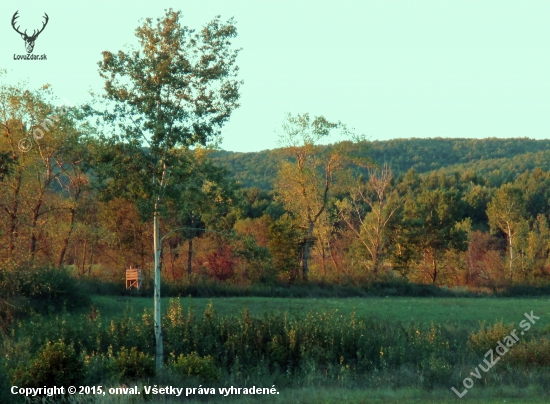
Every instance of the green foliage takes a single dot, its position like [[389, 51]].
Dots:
[[285, 240], [6, 163], [428, 229], [180, 87], [122, 170], [24, 291], [56, 364], [497, 160], [133, 365], [258, 260], [476, 199], [487, 337], [287, 349], [436, 372], [255, 202], [252, 170], [50, 288], [530, 354], [507, 210], [170, 86], [5, 396], [192, 365], [535, 186]]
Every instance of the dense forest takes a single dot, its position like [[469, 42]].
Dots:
[[441, 211], [499, 159]]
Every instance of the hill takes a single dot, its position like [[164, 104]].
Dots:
[[515, 155]]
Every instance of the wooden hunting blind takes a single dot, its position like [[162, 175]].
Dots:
[[133, 278]]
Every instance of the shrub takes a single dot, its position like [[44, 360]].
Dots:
[[530, 354], [195, 366], [98, 368], [51, 288], [488, 338], [5, 396], [57, 364], [25, 290], [133, 365], [436, 372]]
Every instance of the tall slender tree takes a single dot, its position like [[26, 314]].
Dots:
[[507, 213], [175, 91]]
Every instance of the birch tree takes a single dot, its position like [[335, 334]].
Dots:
[[176, 90], [507, 213]]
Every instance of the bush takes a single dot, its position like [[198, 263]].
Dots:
[[41, 290], [98, 368], [5, 396], [530, 354], [57, 364], [488, 338], [195, 366], [525, 290], [133, 365], [436, 372], [51, 288]]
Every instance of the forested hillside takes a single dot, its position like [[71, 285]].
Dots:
[[509, 156]]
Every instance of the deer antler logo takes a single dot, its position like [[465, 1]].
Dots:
[[29, 40]]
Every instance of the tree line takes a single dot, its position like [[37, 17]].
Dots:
[[498, 159], [140, 163]]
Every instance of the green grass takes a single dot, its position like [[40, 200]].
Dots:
[[384, 396], [462, 315], [464, 311], [311, 395]]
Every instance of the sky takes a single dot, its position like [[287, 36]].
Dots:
[[388, 68]]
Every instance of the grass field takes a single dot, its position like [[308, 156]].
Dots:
[[357, 396], [464, 311], [459, 316], [454, 312], [402, 396]]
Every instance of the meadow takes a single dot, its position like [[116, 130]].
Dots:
[[464, 311], [341, 350]]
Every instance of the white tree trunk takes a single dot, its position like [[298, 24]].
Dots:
[[158, 329], [510, 240]]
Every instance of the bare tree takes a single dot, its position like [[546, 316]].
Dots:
[[368, 213]]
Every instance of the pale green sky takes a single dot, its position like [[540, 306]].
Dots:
[[390, 69]]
